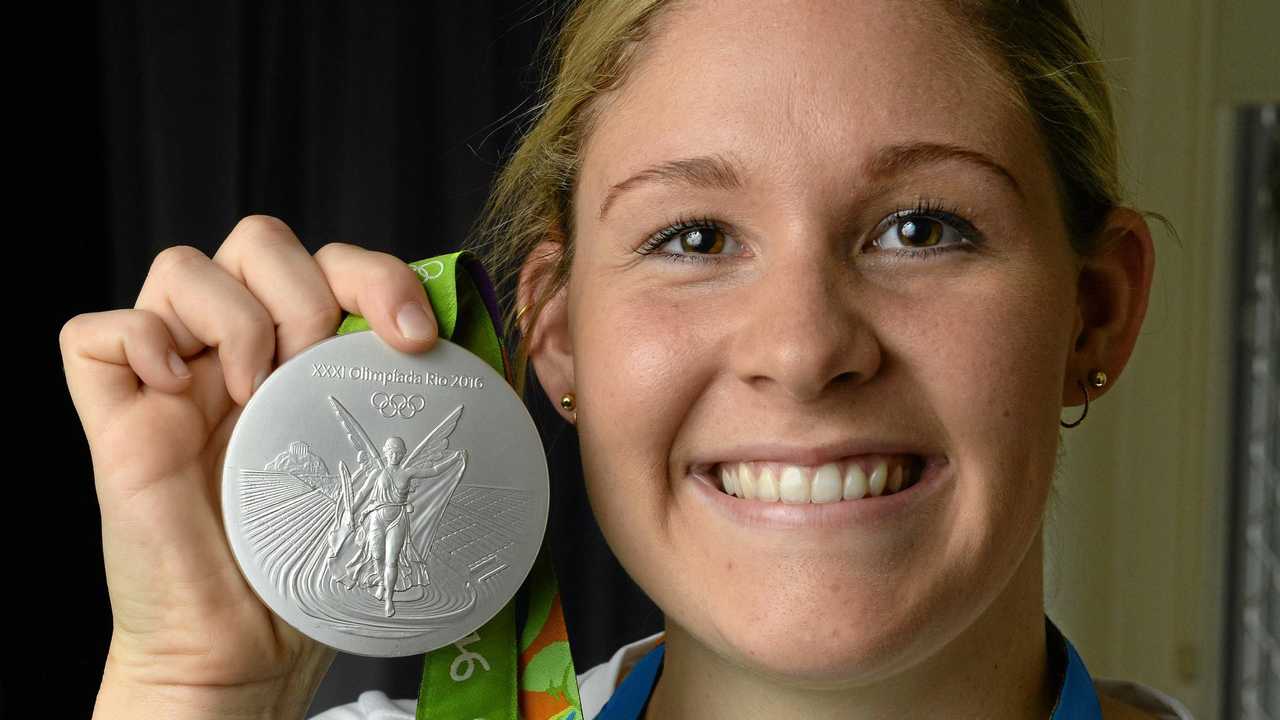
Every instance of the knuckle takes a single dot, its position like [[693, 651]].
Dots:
[[142, 325], [261, 328], [259, 230], [174, 259], [387, 271], [69, 335], [137, 325], [262, 224], [330, 248], [251, 332], [319, 318]]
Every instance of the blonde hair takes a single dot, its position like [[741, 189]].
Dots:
[[1056, 77]]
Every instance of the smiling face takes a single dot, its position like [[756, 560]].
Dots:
[[838, 275]]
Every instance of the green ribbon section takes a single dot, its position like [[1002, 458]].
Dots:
[[486, 675], [459, 308]]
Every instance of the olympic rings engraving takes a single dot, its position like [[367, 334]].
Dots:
[[429, 270], [405, 406]]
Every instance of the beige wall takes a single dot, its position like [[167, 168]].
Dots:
[[1135, 543]]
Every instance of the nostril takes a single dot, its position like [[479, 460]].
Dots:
[[847, 377]]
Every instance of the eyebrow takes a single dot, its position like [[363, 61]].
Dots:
[[896, 159], [721, 173], [715, 171]]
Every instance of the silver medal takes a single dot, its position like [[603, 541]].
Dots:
[[383, 503]]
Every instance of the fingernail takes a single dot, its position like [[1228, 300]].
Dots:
[[177, 367], [414, 323]]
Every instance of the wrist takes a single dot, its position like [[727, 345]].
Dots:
[[124, 694]]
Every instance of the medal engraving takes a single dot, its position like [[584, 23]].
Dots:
[[397, 404], [381, 522]]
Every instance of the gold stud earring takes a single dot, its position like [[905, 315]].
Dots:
[[1098, 379], [567, 402]]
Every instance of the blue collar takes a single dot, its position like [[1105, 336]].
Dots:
[[1077, 699]]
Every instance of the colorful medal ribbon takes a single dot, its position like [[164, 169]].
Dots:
[[487, 674]]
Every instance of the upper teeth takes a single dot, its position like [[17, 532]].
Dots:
[[794, 484]]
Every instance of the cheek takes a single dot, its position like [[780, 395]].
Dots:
[[635, 364], [1013, 364], [991, 365], [643, 364]]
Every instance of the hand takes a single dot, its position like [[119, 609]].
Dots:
[[158, 389]]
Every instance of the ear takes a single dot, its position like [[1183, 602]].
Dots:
[[1113, 287], [549, 341]]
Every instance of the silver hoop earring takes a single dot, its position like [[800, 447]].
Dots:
[[1098, 379]]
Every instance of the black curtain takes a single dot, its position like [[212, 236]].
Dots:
[[379, 124]]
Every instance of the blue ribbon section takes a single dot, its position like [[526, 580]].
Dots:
[[629, 700], [1077, 699]]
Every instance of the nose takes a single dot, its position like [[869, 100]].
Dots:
[[803, 333]]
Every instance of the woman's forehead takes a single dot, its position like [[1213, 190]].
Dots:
[[805, 85]]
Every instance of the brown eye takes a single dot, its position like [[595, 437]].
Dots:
[[705, 240], [916, 231], [692, 241], [919, 232]]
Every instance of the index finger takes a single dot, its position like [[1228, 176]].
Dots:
[[384, 290], [264, 254]]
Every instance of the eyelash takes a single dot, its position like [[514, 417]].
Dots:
[[664, 235], [925, 207]]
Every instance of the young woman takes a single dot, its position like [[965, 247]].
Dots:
[[814, 281]]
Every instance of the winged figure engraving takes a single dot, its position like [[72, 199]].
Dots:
[[373, 508], [350, 541]]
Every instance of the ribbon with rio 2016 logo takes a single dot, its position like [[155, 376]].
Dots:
[[492, 673]]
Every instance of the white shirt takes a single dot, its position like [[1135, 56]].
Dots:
[[596, 685]]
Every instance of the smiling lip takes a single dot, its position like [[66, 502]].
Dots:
[[812, 455], [895, 512]]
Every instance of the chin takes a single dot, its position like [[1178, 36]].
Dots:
[[830, 645], [830, 658]]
